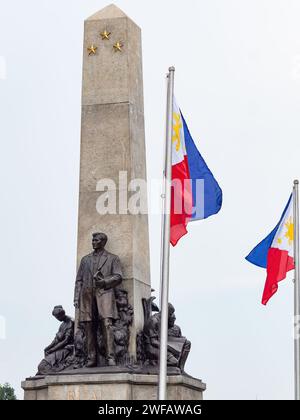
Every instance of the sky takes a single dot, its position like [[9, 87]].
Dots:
[[237, 82]]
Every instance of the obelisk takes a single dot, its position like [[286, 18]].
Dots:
[[113, 141]]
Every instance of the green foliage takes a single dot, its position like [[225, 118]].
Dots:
[[7, 392]]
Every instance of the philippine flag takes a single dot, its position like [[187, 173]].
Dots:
[[195, 192], [276, 253]]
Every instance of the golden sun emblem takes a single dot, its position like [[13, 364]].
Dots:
[[176, 128], [289, 234]]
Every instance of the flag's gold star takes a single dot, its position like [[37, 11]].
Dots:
[[118, 46], [92, 49], [105, 34], [279, 240]]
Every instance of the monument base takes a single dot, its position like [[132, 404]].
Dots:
[[110, 386]]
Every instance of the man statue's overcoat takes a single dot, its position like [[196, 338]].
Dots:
[[88, 295]]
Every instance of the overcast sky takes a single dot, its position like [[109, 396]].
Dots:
[[238, 85]]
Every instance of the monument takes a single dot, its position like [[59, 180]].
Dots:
[[111, 349]]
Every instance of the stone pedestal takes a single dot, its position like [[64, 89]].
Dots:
[[110, 386]]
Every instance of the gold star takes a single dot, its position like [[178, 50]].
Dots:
[[118, 46], [92, 49], [105, 34]]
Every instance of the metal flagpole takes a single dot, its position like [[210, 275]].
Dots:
[[296, 290], [163, 193], [164, 292]]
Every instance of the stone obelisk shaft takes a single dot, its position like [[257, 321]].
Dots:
[[113, 140]]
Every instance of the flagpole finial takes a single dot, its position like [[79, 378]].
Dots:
[[296, 182]]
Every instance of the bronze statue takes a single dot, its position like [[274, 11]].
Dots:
[[104, 318], [149, 340], [58, 355], [178, 345], [98, 276]]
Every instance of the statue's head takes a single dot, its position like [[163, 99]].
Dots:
[[59, 313], [99, 240], [171, 315]]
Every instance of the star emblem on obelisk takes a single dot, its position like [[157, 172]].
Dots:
[[105, 34], [92, 49], [118, 46]]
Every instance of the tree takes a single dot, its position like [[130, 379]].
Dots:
[[7, 392]]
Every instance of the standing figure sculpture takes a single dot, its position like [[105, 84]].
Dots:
[[98, 275]]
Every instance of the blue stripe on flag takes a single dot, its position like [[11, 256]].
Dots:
[[200, 171], [259, 254]]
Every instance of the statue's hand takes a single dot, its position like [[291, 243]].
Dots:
[[100, 283], [98, 275]]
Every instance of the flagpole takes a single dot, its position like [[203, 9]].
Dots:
[[296, 290], [164, 292]]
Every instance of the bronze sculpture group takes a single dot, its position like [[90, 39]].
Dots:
[[104, 319]]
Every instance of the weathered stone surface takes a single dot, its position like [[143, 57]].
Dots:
[[113, 140], [110, 386], [112, 77]]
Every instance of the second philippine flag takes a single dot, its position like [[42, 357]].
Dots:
[[276, 252]]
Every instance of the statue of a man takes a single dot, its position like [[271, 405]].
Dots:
[[98, 275]]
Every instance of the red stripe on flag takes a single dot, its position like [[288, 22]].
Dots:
[[181, 200], [278, 264]]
